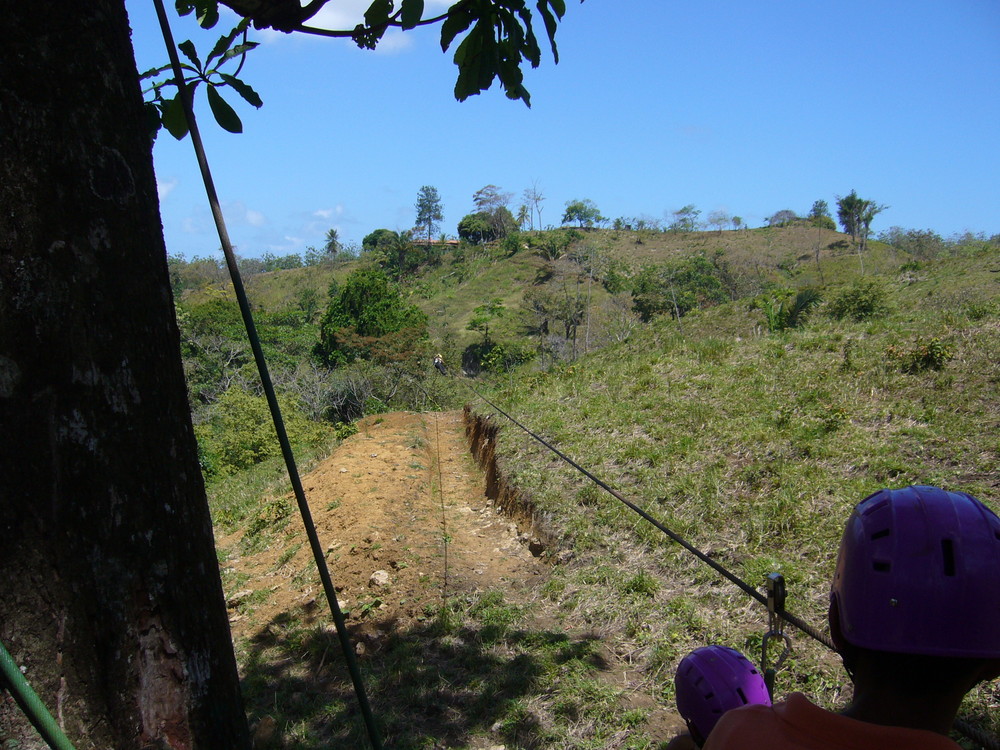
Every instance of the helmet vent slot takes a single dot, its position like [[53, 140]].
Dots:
[[739, 692], [882, 533], [948, 551], [881, 566]]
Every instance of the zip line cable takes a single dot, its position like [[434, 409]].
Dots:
[[299, 492], [718, 567], [272, 401], [988, 741]]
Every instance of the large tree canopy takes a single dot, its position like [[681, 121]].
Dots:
[[368, 319]]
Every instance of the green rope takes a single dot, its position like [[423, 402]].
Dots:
[[279, 425], [12, 679]]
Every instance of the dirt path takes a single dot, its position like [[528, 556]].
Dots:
[[401, 511]]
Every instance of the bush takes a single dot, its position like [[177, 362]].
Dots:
[[862, 300], [785, 311], [368, 319], [823, 222], [241, 433], [677, 287], [497, 357], [932, 354]]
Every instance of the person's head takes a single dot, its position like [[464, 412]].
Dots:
[[710, 681], [916, 593]]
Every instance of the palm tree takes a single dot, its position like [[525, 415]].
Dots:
[[332, 245]]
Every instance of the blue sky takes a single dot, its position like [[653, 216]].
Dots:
[[748, 108]]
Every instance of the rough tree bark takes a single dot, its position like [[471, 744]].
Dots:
[[110, 595]]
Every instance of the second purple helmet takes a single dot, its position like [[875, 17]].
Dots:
[[919, 573], [710, 681]]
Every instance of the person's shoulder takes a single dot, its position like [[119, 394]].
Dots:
[[746, 727], [783, 726]]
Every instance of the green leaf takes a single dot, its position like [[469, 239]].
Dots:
[[152, 72], [208, 13], [153, 119], [172, 117], [378, 13], [243, 89], [225, 42], [456, 22], [550, 26], [224, 114], [187, 47], [239, 49], [413, 10]]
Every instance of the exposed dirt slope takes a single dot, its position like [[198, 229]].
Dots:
[[406, 518], [400, 529]]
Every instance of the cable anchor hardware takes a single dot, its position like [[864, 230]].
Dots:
[[775, 587]]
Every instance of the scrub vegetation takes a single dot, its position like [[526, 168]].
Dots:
[[746, 387]]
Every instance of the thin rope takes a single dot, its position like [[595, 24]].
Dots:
[[984, 738], [444, 518], [718, 567], [272, 400]]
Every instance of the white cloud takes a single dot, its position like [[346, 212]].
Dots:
[[164, 188], [346, 14], [329, 213], [238, 214]]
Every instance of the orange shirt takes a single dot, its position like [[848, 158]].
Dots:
[[797, 724]]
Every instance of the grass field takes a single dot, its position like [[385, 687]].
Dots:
[[752, 445]]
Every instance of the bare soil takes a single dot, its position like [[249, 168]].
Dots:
[[402, 513]]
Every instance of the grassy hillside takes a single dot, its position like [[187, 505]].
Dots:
[[751, 444], [754, 447]]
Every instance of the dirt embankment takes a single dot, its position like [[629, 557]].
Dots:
[[406, 519]]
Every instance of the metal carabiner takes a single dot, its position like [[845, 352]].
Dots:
[[775, 583]]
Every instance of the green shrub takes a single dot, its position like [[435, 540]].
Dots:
[[504, 357], [678, 287], [932, 354], [241, 433], [343, 430], [863, 300], [784, 311]]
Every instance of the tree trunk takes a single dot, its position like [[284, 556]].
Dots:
[[110, 597]]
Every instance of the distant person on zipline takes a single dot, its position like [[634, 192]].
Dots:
[[439, 364], [915, 615]]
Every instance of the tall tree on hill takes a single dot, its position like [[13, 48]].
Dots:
[[585, 212], [533, 199], [494, 204], [331, 244], [109, 587], [429, 212], [856, 215], [718, 219], [685, 219]]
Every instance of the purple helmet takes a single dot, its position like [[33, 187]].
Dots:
[[710, 681], [919, 573]]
